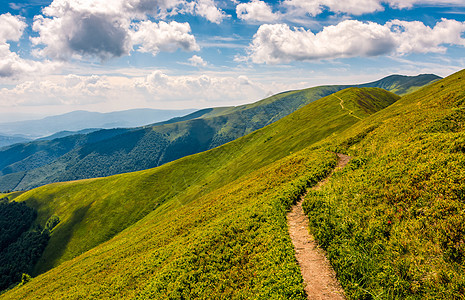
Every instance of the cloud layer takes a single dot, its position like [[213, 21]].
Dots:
[[259, 11], [279, 43], [155, 87]]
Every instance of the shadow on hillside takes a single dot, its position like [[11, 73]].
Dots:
[[61, 236]]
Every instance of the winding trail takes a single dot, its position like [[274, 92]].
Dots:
[[351, 113], [319, 277]]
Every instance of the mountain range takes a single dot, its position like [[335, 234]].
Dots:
[[108, 152], [79, 120]]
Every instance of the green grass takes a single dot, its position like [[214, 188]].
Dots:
[[11, 196], [216, 219], [392, 222], [231, 243]]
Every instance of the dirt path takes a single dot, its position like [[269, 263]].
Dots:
[[351, 113], [319, 278]]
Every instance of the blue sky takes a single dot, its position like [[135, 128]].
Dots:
[[105, 55]]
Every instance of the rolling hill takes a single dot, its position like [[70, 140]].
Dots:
[[110, 152], [211, 224]]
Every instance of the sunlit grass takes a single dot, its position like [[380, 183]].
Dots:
[[393, 221], [208, 224]]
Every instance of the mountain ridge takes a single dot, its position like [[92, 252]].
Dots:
[[150, 145]]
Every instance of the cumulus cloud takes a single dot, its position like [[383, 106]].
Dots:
[[417, 37], [279, 43], [77, 34], [81, 28], [256, 11], [197, 61], [208, 10], [11, 27], [153, 37], [11, 64]]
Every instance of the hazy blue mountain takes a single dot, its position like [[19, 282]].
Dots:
[[6, 140], [65, 133], [79, 120], [108, 152]]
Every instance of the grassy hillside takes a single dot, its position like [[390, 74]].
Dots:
[[393, 221], [402, 85], [110, 152], [208, 224]]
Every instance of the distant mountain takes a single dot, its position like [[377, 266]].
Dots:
[[109, 152], [6, 140], [79, 120], [65, 133]]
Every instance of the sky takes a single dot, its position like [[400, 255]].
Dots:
[[107, 55]]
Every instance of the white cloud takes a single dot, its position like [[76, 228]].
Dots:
[[163, 36], [197, 61], [417, 37], [315, 7], [208, 10], [11, 64], [70, 89], [156, 88], [256, 11], [11, 27], [279, 43], [76, 36], [410, 3], [83, 28]]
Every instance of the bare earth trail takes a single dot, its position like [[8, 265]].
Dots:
[[351, 113], [319, 277]]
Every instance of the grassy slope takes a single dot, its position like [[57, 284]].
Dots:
[[402, 85], [393, 221], [93, 211]]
